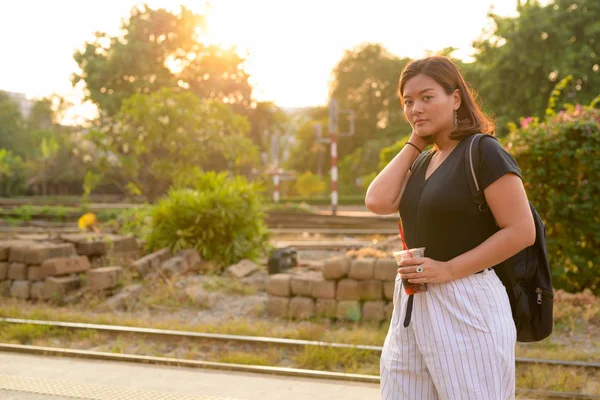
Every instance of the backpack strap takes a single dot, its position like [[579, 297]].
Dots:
[[472, 162]]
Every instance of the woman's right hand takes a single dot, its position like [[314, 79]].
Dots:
[[418, 141]]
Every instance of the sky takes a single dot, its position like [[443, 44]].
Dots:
[[292, 46]]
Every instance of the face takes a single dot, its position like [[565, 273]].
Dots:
[[427, 107]]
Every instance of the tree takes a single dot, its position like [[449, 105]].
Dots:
[[158, 136], [12, 126], [158, 49], [366, 81], [518, 63]]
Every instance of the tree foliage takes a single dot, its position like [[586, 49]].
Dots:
[[559, 156], [518, 63], [158, 49], [157, 136]]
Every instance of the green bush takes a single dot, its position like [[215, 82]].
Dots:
[[221, 217], [560, 160], [309, 184]]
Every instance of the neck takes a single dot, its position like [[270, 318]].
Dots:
[[444, 144]]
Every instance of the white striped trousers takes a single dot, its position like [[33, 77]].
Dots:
[[460, 343]]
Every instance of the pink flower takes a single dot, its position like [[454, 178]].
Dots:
[[525, 122]]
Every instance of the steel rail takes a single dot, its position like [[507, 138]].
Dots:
[[290, 372], [255, 339]]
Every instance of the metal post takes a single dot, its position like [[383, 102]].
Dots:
[[276, 185], [334, 174]]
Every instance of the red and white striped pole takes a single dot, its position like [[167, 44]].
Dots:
[[276, 186], [334, 174]]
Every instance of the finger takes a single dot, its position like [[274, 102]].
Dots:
[[418, 280]]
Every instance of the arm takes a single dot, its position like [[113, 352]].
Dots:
[[384, 193], [507, 200]]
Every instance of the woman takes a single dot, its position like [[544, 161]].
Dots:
[[455, 341]]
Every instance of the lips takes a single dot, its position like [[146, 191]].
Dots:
[[419, 121]]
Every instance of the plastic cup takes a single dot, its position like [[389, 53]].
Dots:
[[411, 288]]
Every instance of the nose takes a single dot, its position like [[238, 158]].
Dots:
[[417, 107]]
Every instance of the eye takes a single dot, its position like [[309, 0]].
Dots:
[[407, 102], [427, 98]]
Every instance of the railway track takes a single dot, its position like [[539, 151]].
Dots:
[[254, 340]]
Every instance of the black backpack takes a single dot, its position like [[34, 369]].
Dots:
[[526, 275]]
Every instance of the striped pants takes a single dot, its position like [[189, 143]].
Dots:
[[460, 343]]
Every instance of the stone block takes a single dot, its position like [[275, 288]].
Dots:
[[336, 268], [121, 244], [34, 273], [242, 269], [4, 252], [277, 306], [65, 266], [347, 289], [3, 270], [18, 251], [302, 284], [323, 289], [373, 311], [370, 290], [104, 278], [152, 261], [301, 308], [201, 297], [20, 289], [279, 285], [362, 268], [37, 290], [125, 299], [348, 310], [174, 266], [385, 269], [41, 252], [326, 308], [192, 258], [5, 288], [56, 287], [17, 271], [388, 290]]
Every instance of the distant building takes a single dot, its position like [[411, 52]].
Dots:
[[23, 102]]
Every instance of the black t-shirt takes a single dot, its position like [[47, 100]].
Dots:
[[439, 214]]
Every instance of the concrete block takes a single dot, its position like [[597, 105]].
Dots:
[[389, 310], [125, 299], [385, 269], [3, 270], [336, 268], [152, 261], [373, 311], [326, 308], [362, 268], [242, 269], [301, 308], [370, 290], [323, 289], [192, 258], [65, 265], [174, 266], [34, 273], [388, 290], [347, 289], [277, 306], [279, 285], [56, 287], [104, 278], [20, 289], [37, 290], [348, 310], [17, 271], [302, 284], [41, 252]]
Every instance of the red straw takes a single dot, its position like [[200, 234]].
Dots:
[[402, 235]]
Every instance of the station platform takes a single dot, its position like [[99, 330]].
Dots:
[[33, 377]]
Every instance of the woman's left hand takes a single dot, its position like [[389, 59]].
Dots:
[[432, 271]]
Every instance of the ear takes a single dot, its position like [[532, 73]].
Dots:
[[456, 99]]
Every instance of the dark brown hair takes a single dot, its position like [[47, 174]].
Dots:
[[471, 119]]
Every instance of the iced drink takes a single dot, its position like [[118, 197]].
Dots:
[[411, 288]]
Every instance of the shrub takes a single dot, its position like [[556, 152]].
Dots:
[[309, 184], [221, 217], [560, 160]]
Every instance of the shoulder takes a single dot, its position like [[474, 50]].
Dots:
[[495, 161], [416, 165]]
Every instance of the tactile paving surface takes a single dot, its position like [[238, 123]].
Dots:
[[90, 392]]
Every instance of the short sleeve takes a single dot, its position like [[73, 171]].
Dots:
[[495, 162]]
